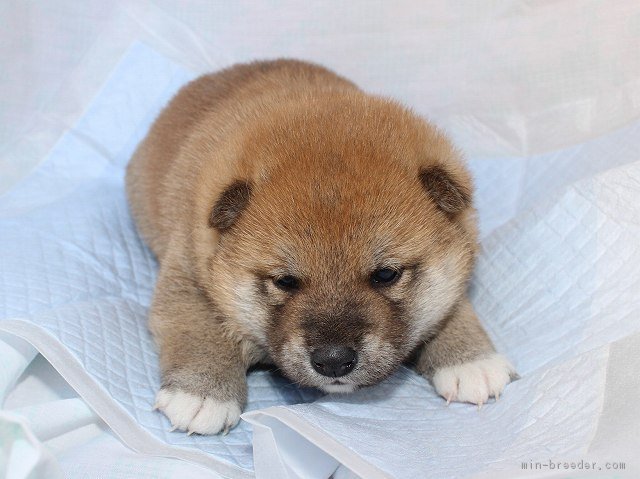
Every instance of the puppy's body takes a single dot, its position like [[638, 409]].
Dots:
[[300, 221]]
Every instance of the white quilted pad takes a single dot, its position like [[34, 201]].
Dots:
[[557, 281], [554, 287], [73, 267]]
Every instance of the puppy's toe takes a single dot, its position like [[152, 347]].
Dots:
[[475, 381], [197, 414], [215, 416], [179, 406]]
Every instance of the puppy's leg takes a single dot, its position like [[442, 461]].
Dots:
[[203, 370], [461, 361]]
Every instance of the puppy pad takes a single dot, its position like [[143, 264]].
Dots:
[[554, 285], [76, 281]]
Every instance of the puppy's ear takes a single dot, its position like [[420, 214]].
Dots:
[[451, 195], [230, 205]]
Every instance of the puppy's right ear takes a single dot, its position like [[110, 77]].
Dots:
[[449, 193], [230, 205]]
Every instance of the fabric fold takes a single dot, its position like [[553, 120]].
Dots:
[[556, 283]]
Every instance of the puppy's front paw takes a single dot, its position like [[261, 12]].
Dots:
[[475, 381], [197, 414]]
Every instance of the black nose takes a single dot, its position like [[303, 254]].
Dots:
[[333, 361]]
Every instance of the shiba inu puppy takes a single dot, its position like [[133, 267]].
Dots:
[[302, 222]]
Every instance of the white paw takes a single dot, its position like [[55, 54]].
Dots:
[[197, 414], [474, 382]]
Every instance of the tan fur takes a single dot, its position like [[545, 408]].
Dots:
[[331, 183]]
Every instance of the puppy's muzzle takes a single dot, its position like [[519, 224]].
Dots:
[[334, 360]]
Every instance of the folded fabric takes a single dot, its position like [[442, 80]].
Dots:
[[554, 285], [76, 281]]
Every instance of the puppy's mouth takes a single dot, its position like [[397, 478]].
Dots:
[[338, 387]]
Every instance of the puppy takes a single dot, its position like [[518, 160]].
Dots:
[[302, 222]]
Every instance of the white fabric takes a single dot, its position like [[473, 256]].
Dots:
[[556, 286], [65, 436], [510, 82], [77, 280], [504, 77]]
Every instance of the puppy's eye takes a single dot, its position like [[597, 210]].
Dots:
[[286, 283], [385, 276]]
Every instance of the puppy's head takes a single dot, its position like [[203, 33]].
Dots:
[[339, 250]]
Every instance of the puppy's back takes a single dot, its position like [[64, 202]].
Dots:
[[159, 202]]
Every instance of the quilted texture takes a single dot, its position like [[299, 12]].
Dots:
[[73, 264], [555, 284]]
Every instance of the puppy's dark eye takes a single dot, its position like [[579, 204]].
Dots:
[[385, 276], [286, 283]]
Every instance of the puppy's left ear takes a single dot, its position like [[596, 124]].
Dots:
[[450, 192], [230, 205]]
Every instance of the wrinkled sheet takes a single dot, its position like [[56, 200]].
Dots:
[[75, 273], [555, 287], [581, 197]]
